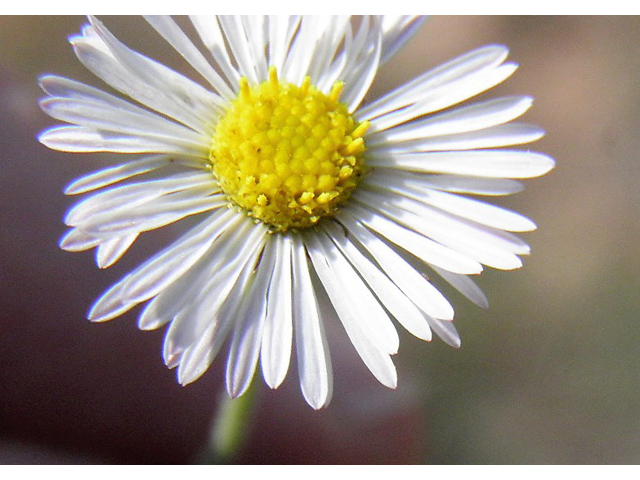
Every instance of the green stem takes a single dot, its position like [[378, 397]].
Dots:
[[230, 427]]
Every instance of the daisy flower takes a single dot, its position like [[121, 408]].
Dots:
[[307, 202]]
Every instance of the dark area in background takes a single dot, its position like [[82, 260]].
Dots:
[[547, 375]]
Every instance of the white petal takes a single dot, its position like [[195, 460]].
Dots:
[[62, 88], [138, 122], [471, 209], [453, 183], [303, 47], [164, 268], [373, 349], [397, 30], [197, 295], [282, 29], [424, 248], [464, 70], [474, 241], [326, 48], [446, 331], [197, 358], [81, 139], [368, 312], [209, 30], [421, 102], [277, 336], [460, 120], [237, 38], [481, 163], [250, 318], [394, 300], [160, 271], [172, 33], [162, 211], [506, 135], [362, 70], [134, 194], [177, 87], [421, 292], [448, 224], [116, 75], [147, 81], [113, 249], [192, 314], [464, 285], [111, 175], [76, 240], [314, 361], [256, 27]]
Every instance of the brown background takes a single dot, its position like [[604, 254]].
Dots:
[[549, 374]]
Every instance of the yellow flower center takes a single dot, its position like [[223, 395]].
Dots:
[[288, 155]]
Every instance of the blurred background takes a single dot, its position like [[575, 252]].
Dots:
[[548, 374]]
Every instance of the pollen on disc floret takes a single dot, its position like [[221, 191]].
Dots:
[[288, 155]]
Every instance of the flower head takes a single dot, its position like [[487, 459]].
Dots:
[[303, 195]]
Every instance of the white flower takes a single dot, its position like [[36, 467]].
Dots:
[[304, 196]]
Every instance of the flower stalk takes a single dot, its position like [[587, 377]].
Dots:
[[230, 428]]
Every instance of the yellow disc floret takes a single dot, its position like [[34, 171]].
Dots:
[[288, 155]]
